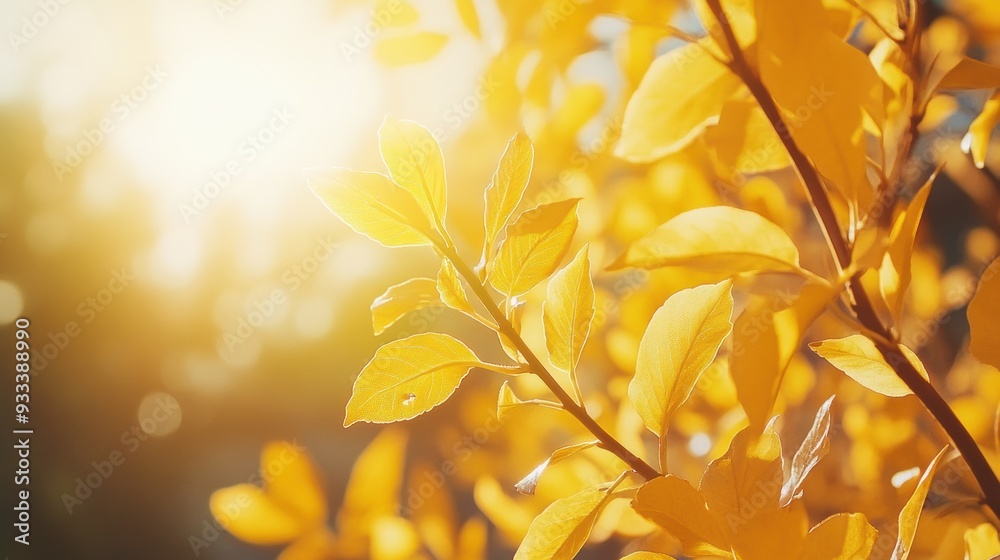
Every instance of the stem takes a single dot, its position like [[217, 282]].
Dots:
[[536, 366], [929, 397]]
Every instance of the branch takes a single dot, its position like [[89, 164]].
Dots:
[[863, 308]]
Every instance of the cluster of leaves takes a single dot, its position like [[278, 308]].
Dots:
[[773, 86]]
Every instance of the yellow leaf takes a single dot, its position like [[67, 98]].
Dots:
[[413, 157], [400, 13], [372, 491], [561, 530], [744, 141], [718, 238], [894, 274], [680, 342], [765, 338], [814, 447], [472, 540], [370, 204], [977, 139], [467, 13], [408, 377], [527, 484], [251, 515], [506, 400], [291, 506], [507, 188], [796, 47], [394, 538], [969, 73], [648, 556], [398, 300], [568, 312], [432, 511], [981, 543], [909, 517], [673, 504], [740, 14], [983, 312], [450, 288], [534, 246], [857, 356], [404, 50], [844, 536], [682, 92], [317, 544]]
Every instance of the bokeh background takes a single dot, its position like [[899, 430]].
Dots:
[[152, 204]]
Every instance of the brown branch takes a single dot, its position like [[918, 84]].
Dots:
[[536, 366], [931, 399]]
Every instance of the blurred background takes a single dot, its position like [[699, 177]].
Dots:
[[190, 300]]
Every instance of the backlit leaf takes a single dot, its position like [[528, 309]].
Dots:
[[977, 139], [969, 73], [718, 238], [371, 205], [844, 536], [568, 312], [534, 246], [372, 491], [404, 50], [681, 341], [857, 356], [507, 188], [981, 542], [527, 484], [408, 377], [682, 92], [398, 300], [894, 275], [562, 529], [909, 516], [413, 157], [451, 290], [814, 447], [744, 140], [675, 505], [983, 312]]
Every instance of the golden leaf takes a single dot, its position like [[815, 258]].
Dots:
[[718, 238], [744, 141], [559, 532], [527, 484], [398, 300], [534, 246], [680, 342], [683, 91], [675, 505], [857, 356], [977, 139], [909, 516], [370, 204], [404, 50], [469, 17], [413, 157], [894, 274], [450, 289], [507, 188], [844, 536], [814, 447], [372, 491], [983, 312], [408, 377], [568, 312], [969, 73], [981, 542]]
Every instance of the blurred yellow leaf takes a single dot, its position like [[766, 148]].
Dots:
[[718, 238], [404, 50], [675, 505], [370, 204], [401, 13], [568, 312], [969, 73], [413, 157], [909, 517], [977, 139], [648, 556], [394, 538], [981, 543], [857, 356], [680, 342], [507, 188], [534, 246], [472, 540], [562, 529], [398, 300], [844, 536], [469, 17], [372, 491], [682, 92], [983, 312], [408, 377], [433, 515]]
